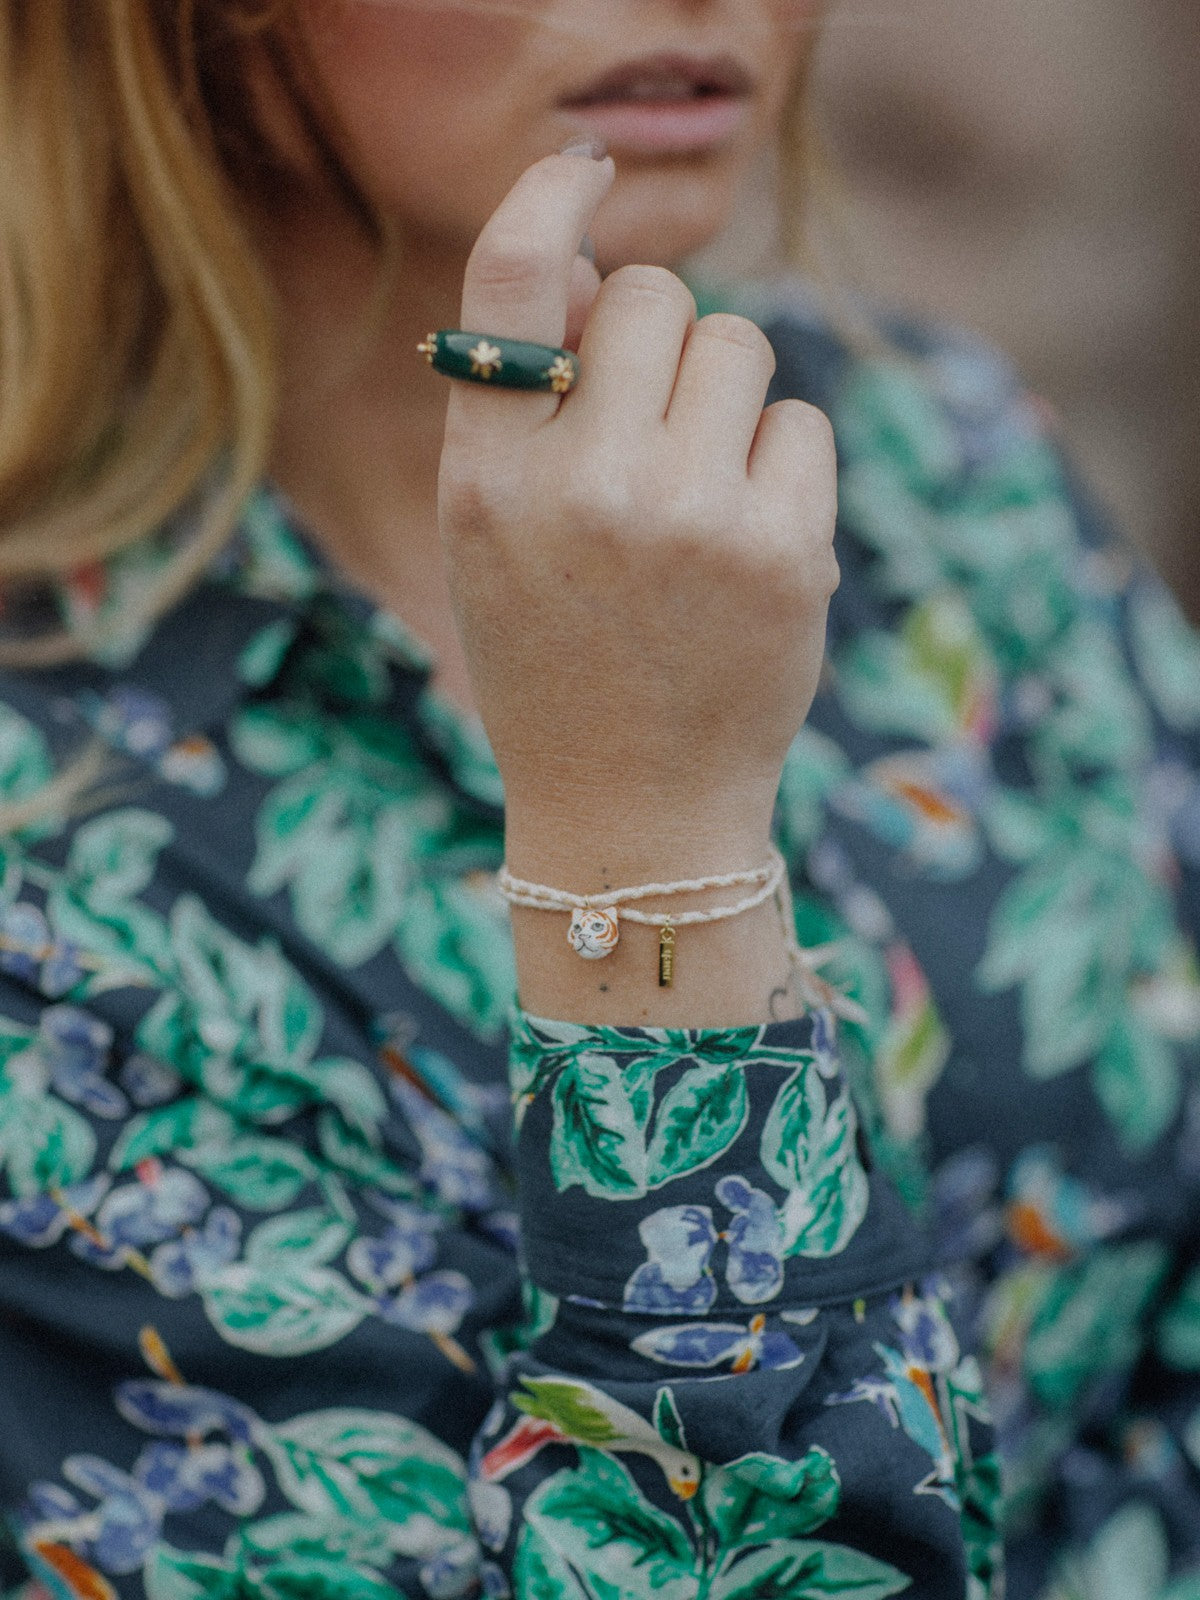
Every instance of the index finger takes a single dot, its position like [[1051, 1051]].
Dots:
[[518, 278]]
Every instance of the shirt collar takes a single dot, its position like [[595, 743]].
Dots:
[[270, 592]]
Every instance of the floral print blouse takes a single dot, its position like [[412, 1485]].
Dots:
[[326, 1272]]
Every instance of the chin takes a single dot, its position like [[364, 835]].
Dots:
[[679, 220], [652, 250]]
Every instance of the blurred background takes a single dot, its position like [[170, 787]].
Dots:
[[1031, 168]]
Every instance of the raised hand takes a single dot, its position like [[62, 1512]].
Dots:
[[641, 569]]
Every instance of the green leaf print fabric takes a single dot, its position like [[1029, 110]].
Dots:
[[325, 1271]]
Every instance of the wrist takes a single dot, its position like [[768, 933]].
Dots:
[[728, 961], [586, 852]]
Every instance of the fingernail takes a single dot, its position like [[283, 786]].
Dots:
[[587, 248], [595, 148]]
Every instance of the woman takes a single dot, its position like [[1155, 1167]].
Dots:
[[263, 1327]]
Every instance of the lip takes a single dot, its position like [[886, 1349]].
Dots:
[[723, 73], [662, 127], [667, 126]]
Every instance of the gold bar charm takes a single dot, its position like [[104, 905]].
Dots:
[[666, 955]]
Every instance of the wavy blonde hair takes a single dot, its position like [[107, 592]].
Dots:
[[138, 366]]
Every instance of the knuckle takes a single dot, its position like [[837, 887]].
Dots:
[[732, 329], [506, 263], [657, 283], [818, 573], [790, 584], [808, 421], [831, 574]]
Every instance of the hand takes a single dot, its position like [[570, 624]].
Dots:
[[641, 570]]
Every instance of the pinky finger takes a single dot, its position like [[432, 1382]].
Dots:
[[793, 464], [793, 451]]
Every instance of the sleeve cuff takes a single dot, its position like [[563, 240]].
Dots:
[[684, 1171]]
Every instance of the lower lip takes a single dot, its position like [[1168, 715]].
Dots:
[[663, 127]]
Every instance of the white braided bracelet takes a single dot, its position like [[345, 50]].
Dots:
[[595, 922]]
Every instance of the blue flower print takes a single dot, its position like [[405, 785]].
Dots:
[[967, 1216], [39, 1220], [149, 1082], [711, 1344], [126, 1522], [754, 1271], [492, 1510], [157, 1207], [24, 936], [395, 1257], [495, 1584], [399, 1487], [434, 1303], [453, 1573], [679, 1242], [824, 1040], [115, 1533], [76, 1046], [138, 723], [441, 1080], [131, 719], [453, 1165], [31, 952], [185, 1477], [926, 1336], [491, 1503], [183, 1411], [503, 1227], [182, 1265]]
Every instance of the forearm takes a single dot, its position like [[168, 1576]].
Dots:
[[726, 973]]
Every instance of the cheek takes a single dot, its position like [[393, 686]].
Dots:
[[443, 39], [428, 93]]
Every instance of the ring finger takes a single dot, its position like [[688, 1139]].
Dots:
[[726, 370]]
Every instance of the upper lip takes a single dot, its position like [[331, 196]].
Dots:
[[721, 74]]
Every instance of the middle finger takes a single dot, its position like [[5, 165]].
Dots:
[[629, 353]]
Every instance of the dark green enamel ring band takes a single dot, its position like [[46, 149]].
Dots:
[[504, 363]]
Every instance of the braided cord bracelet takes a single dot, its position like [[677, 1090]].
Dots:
[[595, 928]]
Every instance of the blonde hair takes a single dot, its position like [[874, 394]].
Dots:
[[138, 366]]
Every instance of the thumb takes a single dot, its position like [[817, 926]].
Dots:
[[584, 287]]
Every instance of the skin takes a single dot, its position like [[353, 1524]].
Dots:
[[615, 581]]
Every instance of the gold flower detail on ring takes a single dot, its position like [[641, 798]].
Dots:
[[428, 347], [561, 374], [485, 359]]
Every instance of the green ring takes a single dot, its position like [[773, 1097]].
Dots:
[[501, 363]]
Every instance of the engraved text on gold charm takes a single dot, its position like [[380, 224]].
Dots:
[[666, 956]]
